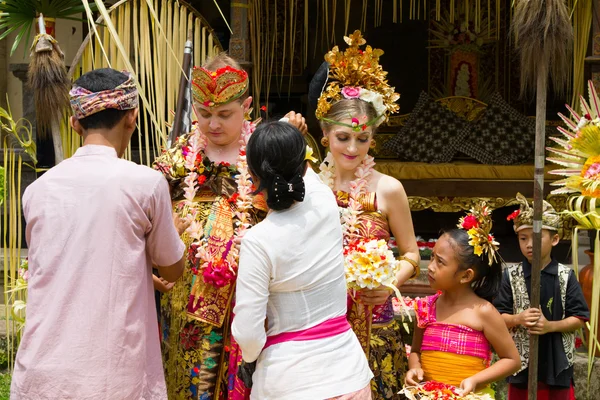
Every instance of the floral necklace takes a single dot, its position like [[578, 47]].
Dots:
[[358, 188], [222, 271]]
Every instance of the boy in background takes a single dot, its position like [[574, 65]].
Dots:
[[562, 309]]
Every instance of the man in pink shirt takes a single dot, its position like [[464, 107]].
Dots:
[[95, 225]]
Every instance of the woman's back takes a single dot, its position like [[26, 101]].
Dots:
[[304, 247], [293, 261]]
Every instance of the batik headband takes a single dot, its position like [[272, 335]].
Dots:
[[217, 88], [85, 103], [523, 217], [478, 224]]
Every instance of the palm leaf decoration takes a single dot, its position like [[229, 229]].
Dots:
[[19, 15]]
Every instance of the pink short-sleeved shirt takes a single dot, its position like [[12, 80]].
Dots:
[[95, 225]]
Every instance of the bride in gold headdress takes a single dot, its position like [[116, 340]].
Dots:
[[211, 185], [354, 98]]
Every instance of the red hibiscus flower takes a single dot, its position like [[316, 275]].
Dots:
[[513, 215], [470, 221], [233, 198]]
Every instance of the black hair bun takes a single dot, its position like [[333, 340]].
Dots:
[[282, 193]]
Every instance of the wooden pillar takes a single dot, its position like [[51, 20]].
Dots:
[[593, 59], [239, 44]]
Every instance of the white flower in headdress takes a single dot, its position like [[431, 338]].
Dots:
[[374, 98]]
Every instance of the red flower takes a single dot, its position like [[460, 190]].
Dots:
[[364, 127], [264, 108], [233, 198], [514, 215], [490, 238], [201, 179], [470, 221]]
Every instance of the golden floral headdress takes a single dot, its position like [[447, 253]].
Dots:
[[523, 217], [216, 88], [356, 74], [478, 224]]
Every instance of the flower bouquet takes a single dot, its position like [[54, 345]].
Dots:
[[370, 264], [433, 390]]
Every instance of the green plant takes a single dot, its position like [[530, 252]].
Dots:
[[19, 15], [6, 357], [5, 386], [2, 185]]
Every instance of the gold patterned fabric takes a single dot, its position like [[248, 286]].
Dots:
[[200, 357], [388, 361], [378, 333]]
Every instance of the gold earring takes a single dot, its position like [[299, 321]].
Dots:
[[247, 116], [373, 144], [325, 141]]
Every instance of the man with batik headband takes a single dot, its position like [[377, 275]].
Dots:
[[562, 309], [210, 185], [352, 98], [95, 225]]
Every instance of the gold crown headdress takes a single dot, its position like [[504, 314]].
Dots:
[[580, 153], [478, 224], [523, 217], [356, 74], [216, 88]]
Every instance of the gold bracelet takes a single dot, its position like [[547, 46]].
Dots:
[[414, 264]]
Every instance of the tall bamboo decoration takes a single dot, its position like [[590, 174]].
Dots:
[[543, 36], [48, 79]]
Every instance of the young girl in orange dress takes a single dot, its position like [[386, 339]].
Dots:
[[457, 327]]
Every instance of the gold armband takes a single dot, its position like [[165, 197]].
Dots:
[[414, 264]]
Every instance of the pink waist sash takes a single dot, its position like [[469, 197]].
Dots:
[[329, 328]]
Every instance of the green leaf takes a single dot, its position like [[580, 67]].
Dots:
[[18, 39]]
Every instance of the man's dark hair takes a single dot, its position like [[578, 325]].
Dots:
[[99, 80]]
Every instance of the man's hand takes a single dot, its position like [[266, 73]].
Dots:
[[298, 121], [181, 224], [530, 317], [162, 285]]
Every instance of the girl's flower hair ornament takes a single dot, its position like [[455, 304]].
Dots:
[[478, 225]]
